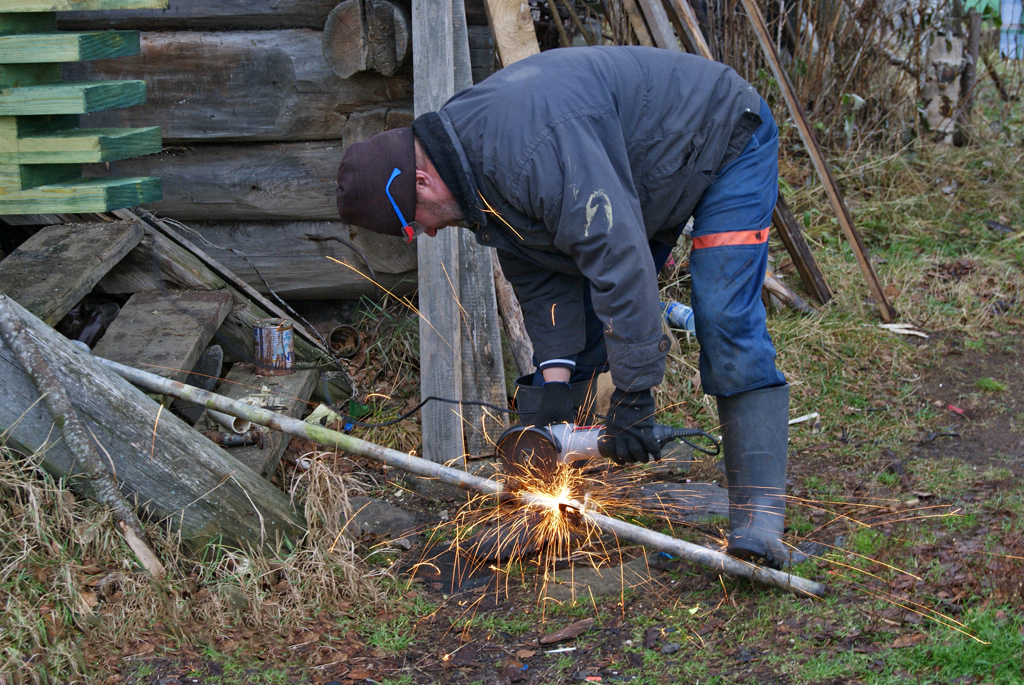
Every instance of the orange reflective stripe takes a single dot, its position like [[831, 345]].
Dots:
[[731, 238]]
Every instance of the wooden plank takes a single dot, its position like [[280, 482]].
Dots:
[[692, 28], [204, 15], [789, 94], [259, 182], [176, 475], [796, 245], [661, 28], [164, 332], [299, 260], [484, 378], [70, 98], [83, 146], [166, 260], [80, 5], [238, 85], [289, 394], [636, 20], [441, 368], [86, 195], [67, 47], [55, 268], [512, 26]]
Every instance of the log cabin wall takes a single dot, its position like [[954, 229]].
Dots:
[[254, 123]]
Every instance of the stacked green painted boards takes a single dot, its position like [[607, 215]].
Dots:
[[41, 144]]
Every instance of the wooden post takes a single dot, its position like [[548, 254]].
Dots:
[[460, 343]]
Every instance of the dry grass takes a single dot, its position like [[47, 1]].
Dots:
[[66, 576]]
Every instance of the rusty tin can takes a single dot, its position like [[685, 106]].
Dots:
[[272, 347]]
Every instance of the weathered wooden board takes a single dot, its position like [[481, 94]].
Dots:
[[164, 332], [176, 475], [441, 362], [54, 269], [287, 395], [157, 263], [266, 85], [300, 260], [259, 182]]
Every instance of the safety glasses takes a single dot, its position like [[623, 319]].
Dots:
[[410, 228]]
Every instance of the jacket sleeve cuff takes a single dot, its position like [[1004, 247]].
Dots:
[[638, 366]]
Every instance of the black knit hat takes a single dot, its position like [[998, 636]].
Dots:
[[363, 175]]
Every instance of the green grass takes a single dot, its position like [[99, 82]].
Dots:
[[986, 648], [990, 384]]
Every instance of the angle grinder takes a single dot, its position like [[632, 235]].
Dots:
[[537, 451]]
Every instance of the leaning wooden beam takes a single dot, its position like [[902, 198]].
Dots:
[[175, 475], [103, 483], [704, 556], [796, 245], [789, 94], [782, 219]]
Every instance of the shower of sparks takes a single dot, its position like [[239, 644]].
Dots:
[[542, 524]]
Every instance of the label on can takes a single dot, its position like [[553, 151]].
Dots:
[[272, 347]]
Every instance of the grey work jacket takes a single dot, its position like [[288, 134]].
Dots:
[[577, 158]]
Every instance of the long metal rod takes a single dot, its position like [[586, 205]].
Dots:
[[705, 556]]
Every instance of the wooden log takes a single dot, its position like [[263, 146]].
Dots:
[[208, 15], [363, 35], [512, 27], [266, 85], [176, 475], [55, 268], [259, 182], [311, 260], [164, 332]]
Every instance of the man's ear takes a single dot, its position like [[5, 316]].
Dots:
[[423, 180]]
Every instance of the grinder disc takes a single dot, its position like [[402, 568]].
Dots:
[[528, 452]]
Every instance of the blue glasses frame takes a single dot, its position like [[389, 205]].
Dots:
[[411, 228]]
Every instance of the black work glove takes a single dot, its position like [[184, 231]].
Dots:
[[628, 435], [555, 405]]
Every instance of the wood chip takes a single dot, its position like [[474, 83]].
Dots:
[[568, 632]]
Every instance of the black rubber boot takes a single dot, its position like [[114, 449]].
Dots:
[[527, 399], [755, 432]]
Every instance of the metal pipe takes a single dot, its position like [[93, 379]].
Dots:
[[709, 558]]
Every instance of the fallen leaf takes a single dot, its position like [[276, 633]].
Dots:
[[525, 653], [908, 640]]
